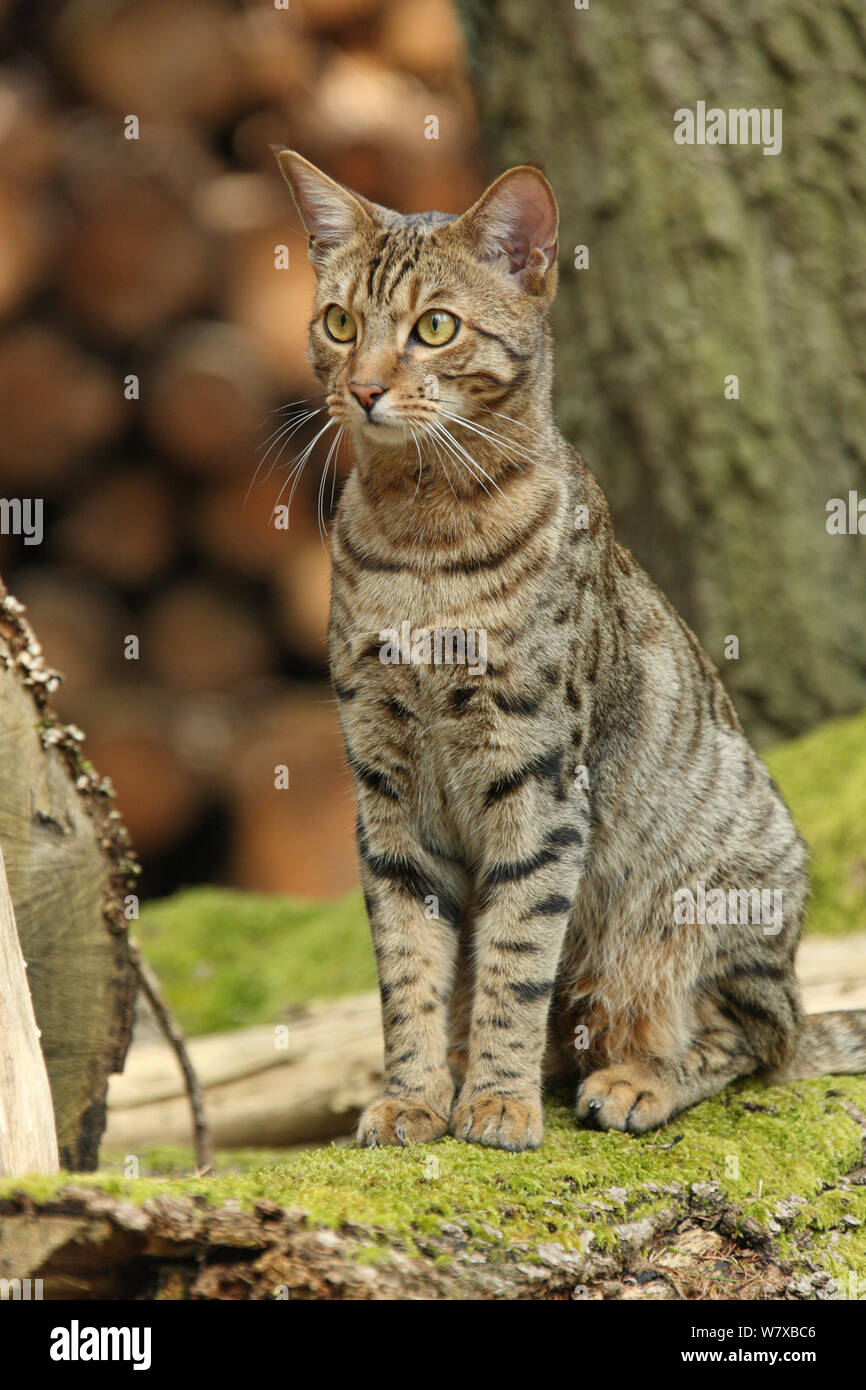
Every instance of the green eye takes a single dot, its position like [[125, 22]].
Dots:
[[339, 324], [436, 327]]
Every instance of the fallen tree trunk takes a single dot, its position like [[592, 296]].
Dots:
[[258, 1093], [172, 1248], [69, 867], [262, 1088], [588, 1216]]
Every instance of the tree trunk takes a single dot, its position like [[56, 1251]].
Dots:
[[28, 1143], [69, 866], [707, 262]]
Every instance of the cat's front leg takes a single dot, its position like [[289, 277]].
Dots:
[[413, 899], [526, 902]]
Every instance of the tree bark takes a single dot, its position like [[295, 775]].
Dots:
[[706, 262], [696, 1246], [69, 866]]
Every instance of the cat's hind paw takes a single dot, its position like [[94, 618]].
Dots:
[[624, 1097], [499, 1122], [394, 1121]]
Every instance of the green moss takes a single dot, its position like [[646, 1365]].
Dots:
[[821, 1231], [823, 777], [371, 1255], [761, 1144], [228, 959], [174, 1161], [843, 1254]]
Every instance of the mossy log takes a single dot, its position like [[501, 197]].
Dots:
[[68, 865], [757, 1194]]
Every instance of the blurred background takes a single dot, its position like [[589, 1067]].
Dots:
[[163, 258], [157, 257]]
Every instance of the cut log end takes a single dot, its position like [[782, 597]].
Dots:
[[70, 868]]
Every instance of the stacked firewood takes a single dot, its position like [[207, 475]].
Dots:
[[154, 301]]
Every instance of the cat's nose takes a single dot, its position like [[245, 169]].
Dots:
[[367, 392]]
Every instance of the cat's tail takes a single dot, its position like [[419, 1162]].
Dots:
[[833, 1042]]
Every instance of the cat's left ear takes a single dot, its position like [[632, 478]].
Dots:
[[514, 224], [330, 213]]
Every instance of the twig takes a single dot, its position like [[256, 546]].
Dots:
[[171, 1028]]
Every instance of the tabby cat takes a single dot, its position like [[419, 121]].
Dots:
[[563, 845]]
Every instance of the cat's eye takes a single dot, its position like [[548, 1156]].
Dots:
[[339, 324], [436, 327]]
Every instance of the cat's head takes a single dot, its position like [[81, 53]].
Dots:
[[425, 320]]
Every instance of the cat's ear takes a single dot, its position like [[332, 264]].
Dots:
[[330, 213], [514, 225]]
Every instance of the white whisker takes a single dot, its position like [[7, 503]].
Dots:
[[292, 405], [512, 421], [459, 454], [295, 422], [340, 432], [435, 445], [323, 532], [494, 437], [420, 463], [284, 434], [490, 435], [475, 465], [300, 463]]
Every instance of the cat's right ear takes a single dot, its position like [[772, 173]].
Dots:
[[329, 212], [514, 226]]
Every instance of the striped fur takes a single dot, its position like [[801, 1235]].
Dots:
[[523, 830]]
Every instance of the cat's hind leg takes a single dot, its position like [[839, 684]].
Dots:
[[735, 1038], [640, 1095]]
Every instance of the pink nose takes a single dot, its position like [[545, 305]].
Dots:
[[367, 392]]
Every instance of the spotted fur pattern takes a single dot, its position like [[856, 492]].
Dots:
[[523, 830]]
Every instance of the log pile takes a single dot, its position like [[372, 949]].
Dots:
[[151, 334]]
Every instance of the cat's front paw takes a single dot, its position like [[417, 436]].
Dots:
[[394, 1121], [499, 1122], [624, 1097]]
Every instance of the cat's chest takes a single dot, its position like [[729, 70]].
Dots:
[[433, 629], [430, 598], [420, 666]]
